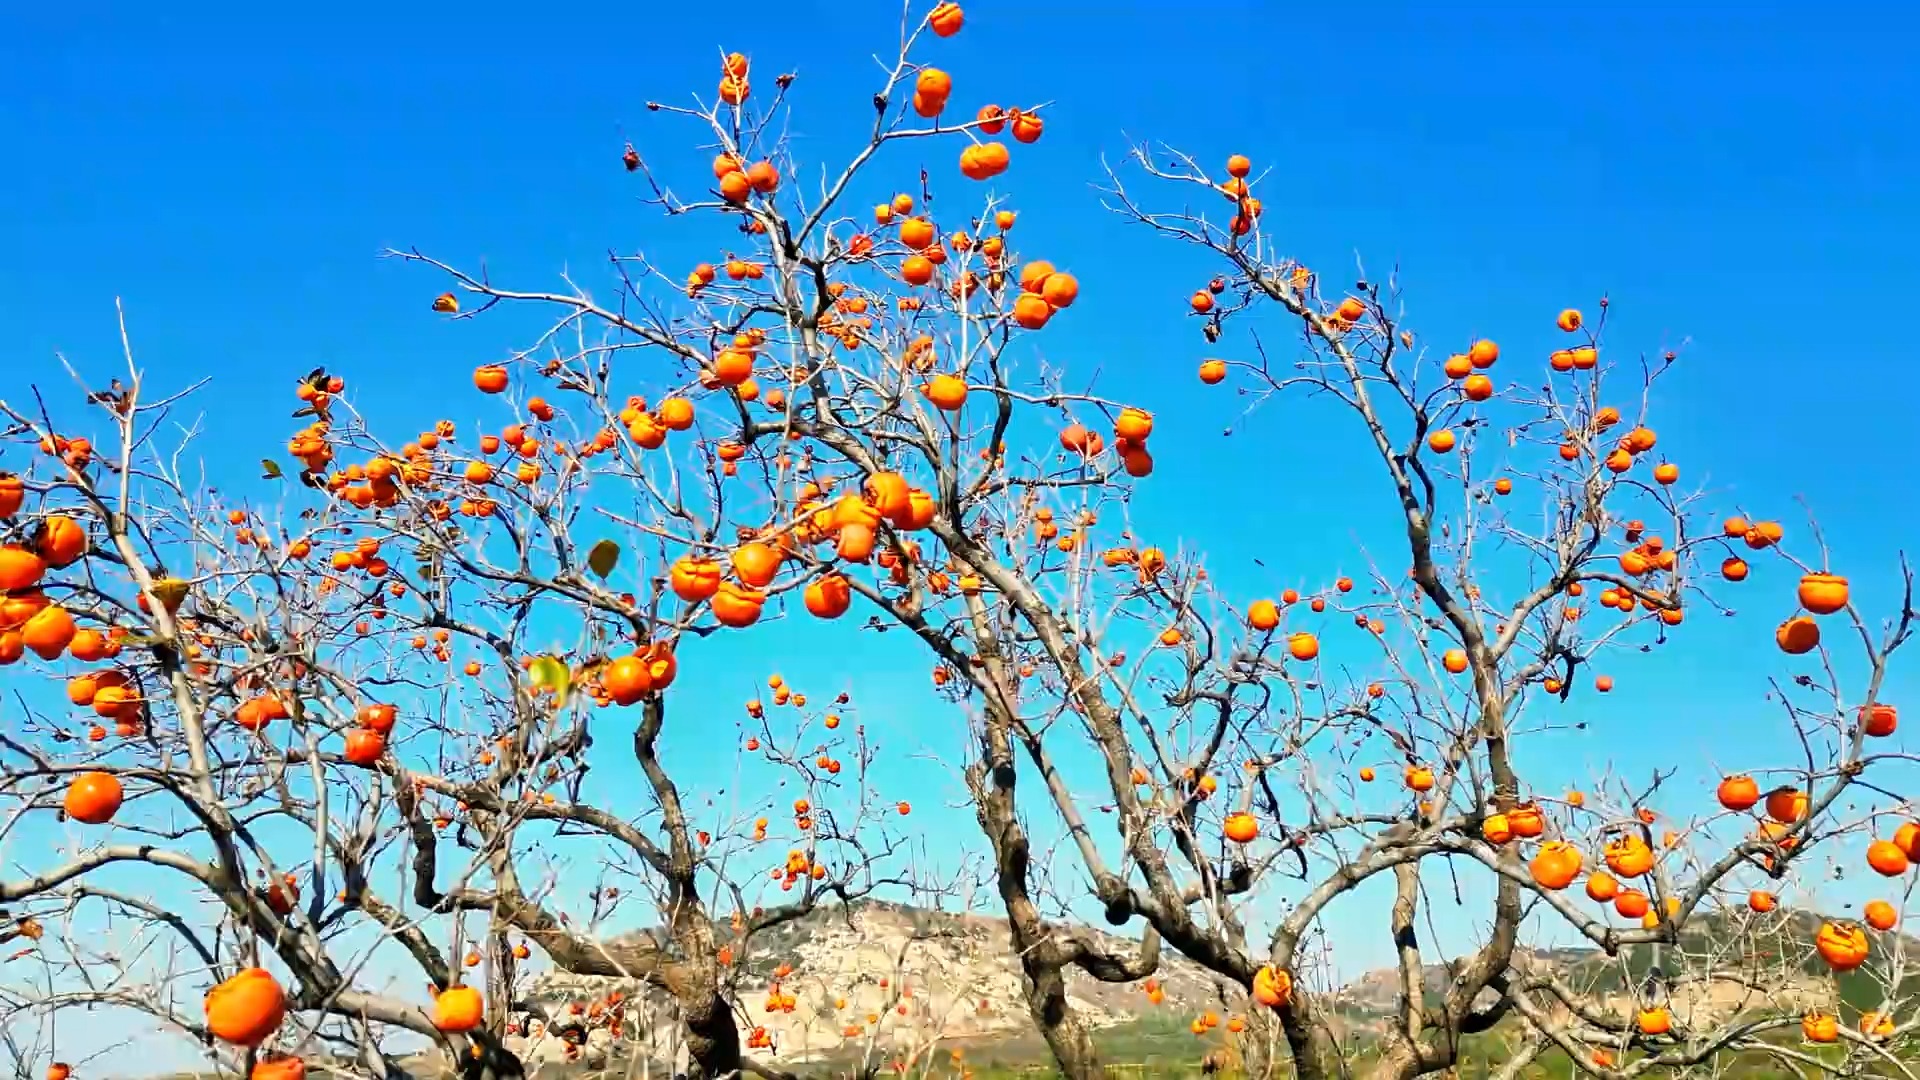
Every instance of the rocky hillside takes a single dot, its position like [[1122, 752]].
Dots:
[[888, 980], [880, 978]]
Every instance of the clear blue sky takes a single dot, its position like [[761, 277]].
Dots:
[[1728, 176]]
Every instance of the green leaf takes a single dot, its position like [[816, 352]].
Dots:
[[603, 558], [270, 469], [551, 672]]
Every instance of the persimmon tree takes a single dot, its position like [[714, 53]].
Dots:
[[1523, 499], [803, 381], [867, 381], [329, 744]]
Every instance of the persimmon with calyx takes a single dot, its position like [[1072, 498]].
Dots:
[[246, 1008], [1797, 635], [62, 541], [490, 378], [458, 1008], [1556, 865], [1823, 594], [256, 713], [377, 718], [1820, 1027], [1602, 887], [695, 579], [1031, 311], [1631, 904], [1241, 828], [1887, 859], [1907, 838], [1496, 829], [364, 747], [946, 19], [93, 798], [1263, 615], [1738, 793], [1060, 290], [49, 631], [1880, 915], [1303, 646], [1272, 987], [1526, 821], [20, 568], [984, 161], [1786, 805], [1628, 856], [946, 392], [626, 679], [1843, 945], [756, 563], [13, 494], [828, 597], [737, 605], [1134, 425]]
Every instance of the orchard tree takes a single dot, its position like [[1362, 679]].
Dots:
[[273, 751], [818, 367], [1523, 498], [865, 383]]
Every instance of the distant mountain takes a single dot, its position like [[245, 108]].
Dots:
[[1759, 962]]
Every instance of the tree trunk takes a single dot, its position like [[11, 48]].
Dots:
[[713, 1040], [1259, 1045], [1315, 1053], [500, 972], [1046, 983], [1066, 1035]]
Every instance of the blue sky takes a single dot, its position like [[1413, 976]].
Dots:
[[232, 173]]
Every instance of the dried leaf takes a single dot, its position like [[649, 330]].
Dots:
[[604, 556]]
